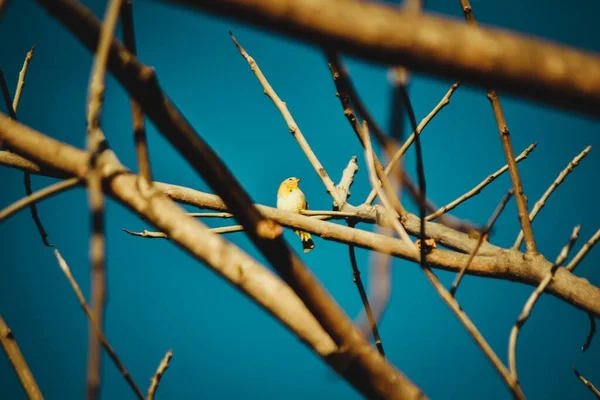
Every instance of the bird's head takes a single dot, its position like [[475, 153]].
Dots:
[[289, 183]]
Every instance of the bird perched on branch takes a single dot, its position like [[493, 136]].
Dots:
[[291, 198]]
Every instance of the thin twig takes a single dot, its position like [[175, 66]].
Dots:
[[210, 215], [162, 368], [95, 141], [477, 189], [587, 383], [161, 235], [535, 296], [6, 96], [398, 155], [341, 82], [591, 333], [482, 237], [557, 182], [39, 195], [445, 294], [293, 127], [586, 248], [508, 150], [137, 115], [21, 81], [11, 348], [95, 327], [365, 300]]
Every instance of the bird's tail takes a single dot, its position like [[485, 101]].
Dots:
[[307, 242]]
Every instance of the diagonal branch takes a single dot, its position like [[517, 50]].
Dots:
[[477, 189], [162, 368], [41, 194], [398, 155], [293, 127], [587, 383], [508, 149], [535, 296], [489, 57], [11, 348], [96, 328], [586, 248], [484, 235], [452, 303], [560, 179]]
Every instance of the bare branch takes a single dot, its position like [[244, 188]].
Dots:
[[365, 300], [512, 384], [42, 194], [21, 81], [97, 330], [137, 115], [293, 127], [586, 248], [6, 96], [161, 235], [535, 296], [492, 262], [560, 179], [587, 383], [398, 155], [346, 182], [520, 197], [211, 215], [11, 348], [162, 368], [430, 44], [484, 235], [95, 140], [477, 189], [591, 333]]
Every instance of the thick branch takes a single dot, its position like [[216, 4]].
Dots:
[[489, 57], [492, 263]]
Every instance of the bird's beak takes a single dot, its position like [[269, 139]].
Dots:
[[298, 180]]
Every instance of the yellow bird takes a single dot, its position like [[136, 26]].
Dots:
[[291, 198]]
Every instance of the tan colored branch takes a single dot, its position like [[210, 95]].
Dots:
[[42, 194], [446, 296], [587, 383], [486, 56], [162, 368], [96, 328], [492, 95], [291, 123], [11, 348], [398, 155], [21, 81], [492, 262], [358, 362], [586, 248], [477, 189], [483, 236], [535, 296], [557, 182], [137, 115]]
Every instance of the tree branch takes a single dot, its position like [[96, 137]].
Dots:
[[11, 348], [97, 330], [162, 368], [587, 383], [490, 57], [560, 179], [535, 296]]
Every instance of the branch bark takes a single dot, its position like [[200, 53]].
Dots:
[[489, 57]]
